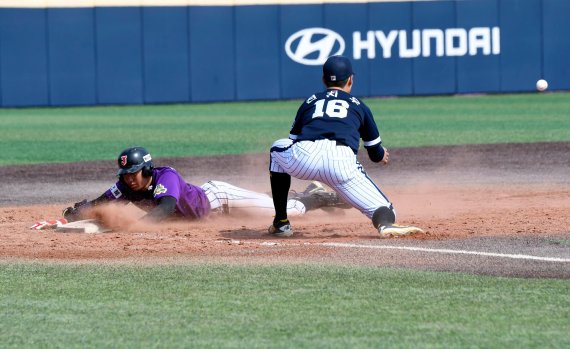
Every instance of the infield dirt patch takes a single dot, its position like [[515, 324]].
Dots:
[[451, 192]]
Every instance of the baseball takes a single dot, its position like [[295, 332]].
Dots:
[[541, 85]]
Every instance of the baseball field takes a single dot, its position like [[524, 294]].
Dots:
[[487, 177]]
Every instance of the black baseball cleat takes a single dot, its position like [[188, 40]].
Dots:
[[281, 228]]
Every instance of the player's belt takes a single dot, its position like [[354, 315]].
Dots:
[[338, 143]]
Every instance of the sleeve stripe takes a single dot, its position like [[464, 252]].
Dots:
[[373, 142]]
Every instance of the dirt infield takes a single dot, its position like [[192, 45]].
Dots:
[[505, 207]]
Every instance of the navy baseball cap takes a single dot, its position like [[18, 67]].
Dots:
[[337, 68]]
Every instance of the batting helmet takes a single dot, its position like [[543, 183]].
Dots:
[[134, 159]]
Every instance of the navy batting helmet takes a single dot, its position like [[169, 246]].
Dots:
[[134, 159]]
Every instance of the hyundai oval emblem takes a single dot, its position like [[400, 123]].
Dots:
[[312, 46]]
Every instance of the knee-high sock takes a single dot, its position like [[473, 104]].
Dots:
[[280, 184]]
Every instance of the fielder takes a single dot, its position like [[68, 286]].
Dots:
[[322, 145], [163, 193]]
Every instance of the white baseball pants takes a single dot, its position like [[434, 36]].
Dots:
[[335, 165], [231, 199]]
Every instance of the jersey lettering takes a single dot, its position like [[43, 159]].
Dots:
[[332, 93], [310, 99], [335, 108], [354, 100]]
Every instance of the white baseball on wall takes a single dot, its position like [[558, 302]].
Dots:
[[541, 85]]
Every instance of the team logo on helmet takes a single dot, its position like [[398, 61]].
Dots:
[[304, 45], [123, 160]]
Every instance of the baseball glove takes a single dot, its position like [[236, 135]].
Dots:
[[72, 214]]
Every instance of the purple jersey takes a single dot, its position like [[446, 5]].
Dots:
[[191, 200]]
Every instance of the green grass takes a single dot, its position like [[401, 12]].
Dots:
[[565, 242], [220, 306], [522, 118], [42, 135]]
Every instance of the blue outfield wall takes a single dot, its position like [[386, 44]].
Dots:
[[179, 54]]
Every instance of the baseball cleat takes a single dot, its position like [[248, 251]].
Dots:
[[281, 228], [395, 230]]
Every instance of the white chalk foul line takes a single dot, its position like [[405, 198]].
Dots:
[[436, 250]]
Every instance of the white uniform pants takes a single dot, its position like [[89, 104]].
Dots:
[[227, 198], [337, 166]]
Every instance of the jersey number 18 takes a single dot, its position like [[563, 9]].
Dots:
[[335, 108]]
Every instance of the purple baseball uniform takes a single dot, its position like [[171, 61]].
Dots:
[[191, 200]]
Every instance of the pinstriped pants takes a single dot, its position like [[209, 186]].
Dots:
[[229, 199], [336, 166]]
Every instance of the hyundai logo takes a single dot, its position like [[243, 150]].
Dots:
[[312, 46]]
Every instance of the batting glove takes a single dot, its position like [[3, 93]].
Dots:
[[74, 213]]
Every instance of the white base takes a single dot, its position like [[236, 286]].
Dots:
[[89, 226]]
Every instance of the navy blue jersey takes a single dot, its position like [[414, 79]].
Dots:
[[335, 115]]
